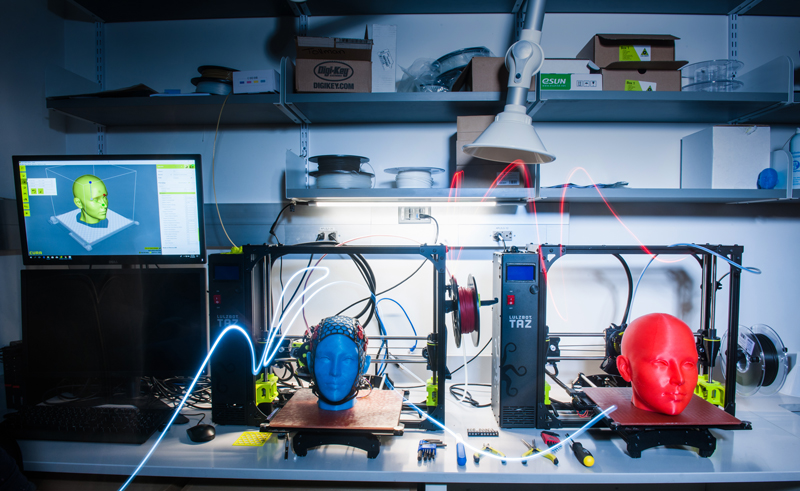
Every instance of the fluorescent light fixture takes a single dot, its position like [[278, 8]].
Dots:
[[454, 204], [511, 136]]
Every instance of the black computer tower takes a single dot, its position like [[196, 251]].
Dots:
[[237, 296], [518, 345]]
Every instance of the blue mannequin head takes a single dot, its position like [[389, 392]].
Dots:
[[337, 358]]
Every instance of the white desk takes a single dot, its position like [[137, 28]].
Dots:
[[767, 453]]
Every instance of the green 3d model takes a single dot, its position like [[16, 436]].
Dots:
[[91, 197]]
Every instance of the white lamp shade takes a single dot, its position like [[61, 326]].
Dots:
[[510, 137]]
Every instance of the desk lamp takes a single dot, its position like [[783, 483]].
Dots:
[[511, 136]]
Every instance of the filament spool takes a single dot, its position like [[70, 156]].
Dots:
[[762, 363], [466, 313], [341, 172], [414, 177]]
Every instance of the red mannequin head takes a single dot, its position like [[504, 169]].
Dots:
[[659, 358]]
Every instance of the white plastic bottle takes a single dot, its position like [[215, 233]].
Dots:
[[794, 148]]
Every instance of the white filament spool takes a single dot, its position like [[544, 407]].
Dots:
[[344, 180], [414, 177]]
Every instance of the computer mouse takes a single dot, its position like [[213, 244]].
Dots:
[[201, 433]]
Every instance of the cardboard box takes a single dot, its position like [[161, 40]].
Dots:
[[256, 81], [333, 65], [655, 79], [384, 58], [725, 157], [480, 173], [608, 49], [484, 74]]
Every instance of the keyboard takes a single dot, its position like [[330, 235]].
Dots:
[[85, 424]]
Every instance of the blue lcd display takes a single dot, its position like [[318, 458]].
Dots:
[[517, 272], [226, 273]]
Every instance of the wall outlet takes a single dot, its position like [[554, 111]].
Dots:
[[328, 233], [499, 235], [411, 214]]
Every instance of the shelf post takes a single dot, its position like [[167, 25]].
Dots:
[[100, 74]]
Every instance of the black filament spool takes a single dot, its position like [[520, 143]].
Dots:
[[771, 359]]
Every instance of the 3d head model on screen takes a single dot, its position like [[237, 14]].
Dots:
[[659, 358], [337, 358], [91, 197]]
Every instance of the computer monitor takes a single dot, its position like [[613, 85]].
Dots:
[[110, 209], [99, 331]]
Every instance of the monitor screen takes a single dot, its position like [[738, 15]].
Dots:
[[110, 209], [102, 326]]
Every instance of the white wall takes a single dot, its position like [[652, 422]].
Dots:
[[250, 160], [33, 40]]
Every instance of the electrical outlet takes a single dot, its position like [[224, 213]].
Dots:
[[328, 233], [499, 235], [411, 214]]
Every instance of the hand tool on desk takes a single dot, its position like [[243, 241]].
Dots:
[[584, 456], [427, 449], [488, 448], [551, 439], [533, 450]]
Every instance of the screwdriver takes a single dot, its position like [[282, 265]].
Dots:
[[532, 450], [584, 456]]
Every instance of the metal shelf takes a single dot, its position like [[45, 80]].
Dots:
[[153, 10], [786, 114], [185, 110], [547, 195], [664, 107], [398, 107]]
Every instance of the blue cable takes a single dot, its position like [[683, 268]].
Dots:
[[407, 317], [743, 268]]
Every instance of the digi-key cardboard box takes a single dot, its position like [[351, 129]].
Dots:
[[333, 65], [480, 173], [607, 49], [725, 157], [489, 74]]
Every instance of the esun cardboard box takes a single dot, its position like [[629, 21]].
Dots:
[[725, 157], [333, 65], [480, 173]]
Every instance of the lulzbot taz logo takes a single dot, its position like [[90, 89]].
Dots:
[[333, 71], [227, 320]]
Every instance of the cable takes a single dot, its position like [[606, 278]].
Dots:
[[630, 288], [639, 280], [407, 317], [213, 161], [470, 360], [466, 396], [277, 218], [735, 265], [704, 249]]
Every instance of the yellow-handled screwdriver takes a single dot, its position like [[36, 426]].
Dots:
[[584, 456]]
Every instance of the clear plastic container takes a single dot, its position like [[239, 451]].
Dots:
[[712, 76]]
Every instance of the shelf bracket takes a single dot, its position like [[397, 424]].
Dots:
[[100, 74], [304, 144], [733, 33]]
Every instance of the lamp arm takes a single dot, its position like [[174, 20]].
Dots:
[[523, 59]]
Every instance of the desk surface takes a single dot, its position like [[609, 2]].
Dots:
[[768, 452]]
